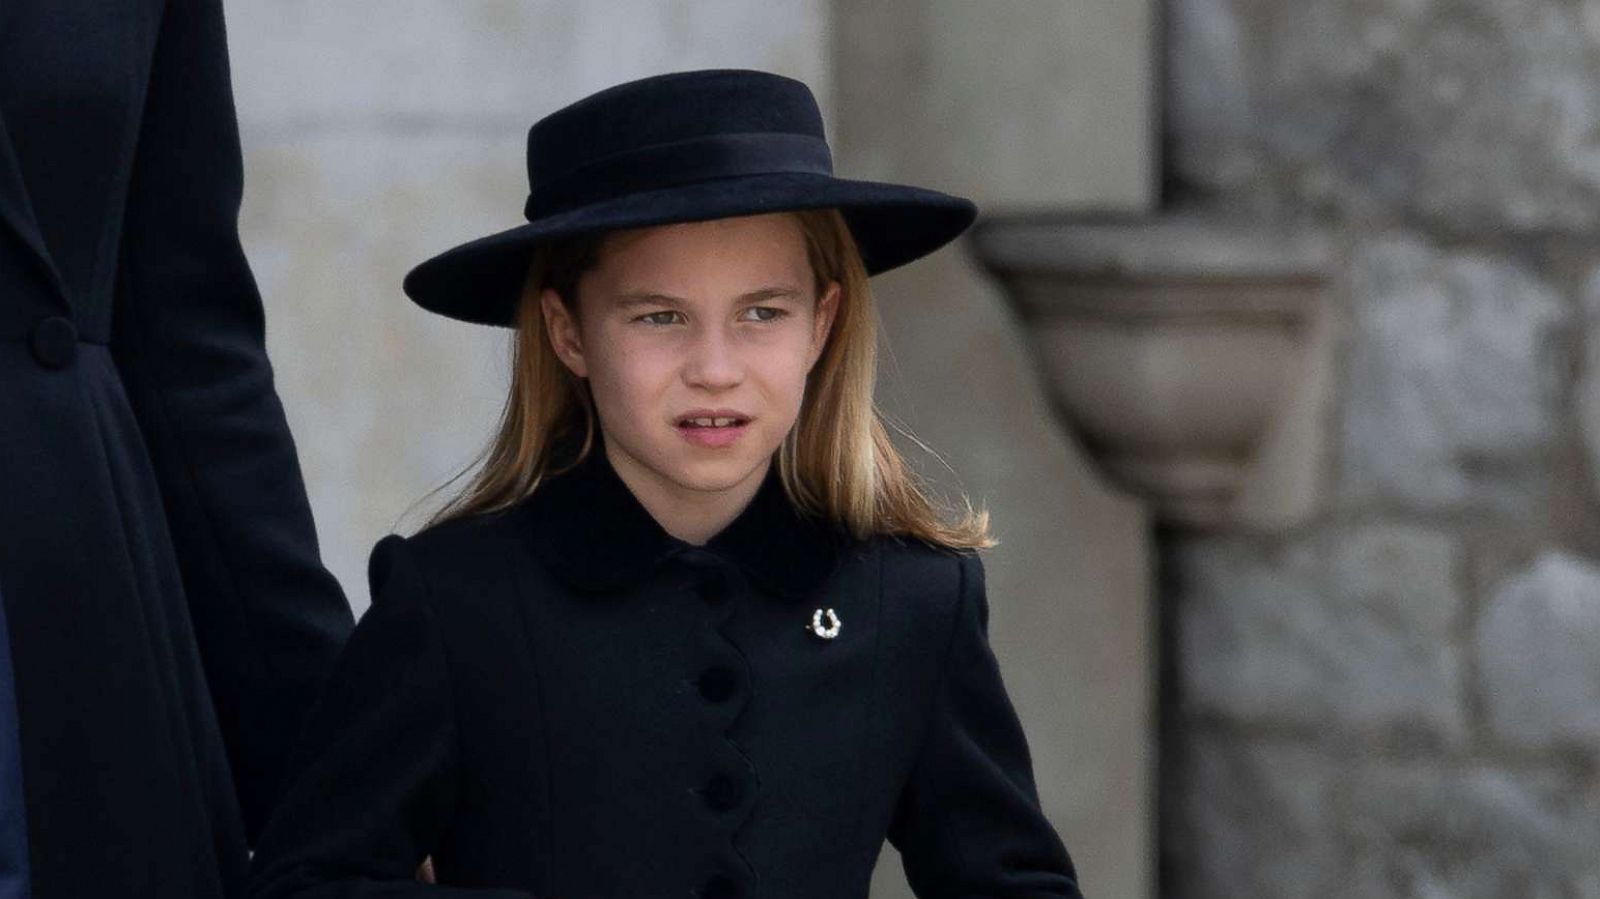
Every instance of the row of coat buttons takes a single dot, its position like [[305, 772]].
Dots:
[[717, 684]]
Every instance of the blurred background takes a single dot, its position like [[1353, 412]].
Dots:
[[1276, 358]]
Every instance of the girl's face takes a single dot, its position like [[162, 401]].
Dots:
[[696, 340]]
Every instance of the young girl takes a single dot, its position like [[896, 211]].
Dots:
[[692, 630]]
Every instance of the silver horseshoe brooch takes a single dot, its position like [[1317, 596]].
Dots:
[[826, 631]]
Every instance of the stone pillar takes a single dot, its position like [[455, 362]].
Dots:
[[1025, 106]]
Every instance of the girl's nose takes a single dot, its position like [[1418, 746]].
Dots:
[[713, 361]]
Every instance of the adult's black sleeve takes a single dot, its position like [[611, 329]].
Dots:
[[188, 340], [968, 823]]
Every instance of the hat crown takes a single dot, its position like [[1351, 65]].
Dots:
[[682, 147], [662, 110]]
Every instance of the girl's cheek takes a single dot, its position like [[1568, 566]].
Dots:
[[635, 359]]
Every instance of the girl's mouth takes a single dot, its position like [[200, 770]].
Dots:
[[712, 431]]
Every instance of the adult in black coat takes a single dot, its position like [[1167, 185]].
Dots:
[[168, 619], [563, 700]]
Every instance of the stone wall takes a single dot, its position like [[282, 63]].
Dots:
[[1401, 696]]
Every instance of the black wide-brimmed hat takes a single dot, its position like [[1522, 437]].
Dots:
[[688, 146]]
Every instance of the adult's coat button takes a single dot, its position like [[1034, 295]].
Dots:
[[722, 793], [55, 342]]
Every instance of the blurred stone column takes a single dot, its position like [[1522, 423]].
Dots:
[[1027, 107]]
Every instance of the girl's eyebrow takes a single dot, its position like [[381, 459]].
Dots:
[[649, 298]]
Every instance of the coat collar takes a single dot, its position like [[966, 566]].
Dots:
[[593, 534]]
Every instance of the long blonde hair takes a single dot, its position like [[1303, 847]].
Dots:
[[837, 462]]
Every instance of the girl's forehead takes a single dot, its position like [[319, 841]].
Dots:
[[694, 257]]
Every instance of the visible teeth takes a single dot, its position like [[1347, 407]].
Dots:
[[712, 422]]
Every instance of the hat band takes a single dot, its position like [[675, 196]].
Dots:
[[680, 162]]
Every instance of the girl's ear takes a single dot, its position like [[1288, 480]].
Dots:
[[822, 322], [565, 337]]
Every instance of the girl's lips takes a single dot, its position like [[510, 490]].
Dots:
[[712, 438]]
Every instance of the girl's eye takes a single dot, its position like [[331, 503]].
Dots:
[[767, 313], [657, 318]]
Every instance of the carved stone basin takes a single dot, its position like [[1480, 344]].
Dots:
[[1168, 344]]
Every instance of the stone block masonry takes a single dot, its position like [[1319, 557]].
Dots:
[[1401, 696]]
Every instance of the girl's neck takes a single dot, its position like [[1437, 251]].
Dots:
[[693, 516]]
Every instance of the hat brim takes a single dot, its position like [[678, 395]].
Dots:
[[482, 281]]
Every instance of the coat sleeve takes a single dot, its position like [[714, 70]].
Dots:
[[188, 340], [968, 822], [376, 768]]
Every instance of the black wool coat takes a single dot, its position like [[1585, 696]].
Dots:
[[169, 621], [562, 700]]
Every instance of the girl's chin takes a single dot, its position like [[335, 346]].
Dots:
[[715, 472]]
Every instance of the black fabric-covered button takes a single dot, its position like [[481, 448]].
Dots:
[[717, 684], [722, 792], [720, 886], [55, 342], [712, 585], [708, 575]]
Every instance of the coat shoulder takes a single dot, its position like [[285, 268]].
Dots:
[[923, 576], [465, 541], [460, 557]]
